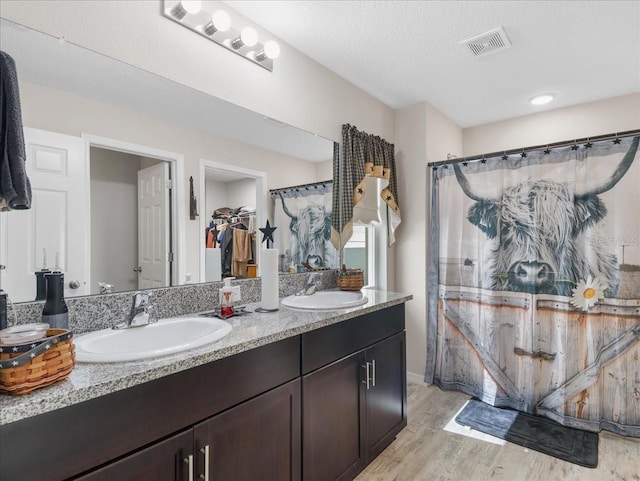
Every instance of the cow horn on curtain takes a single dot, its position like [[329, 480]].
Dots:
[[366, 158]]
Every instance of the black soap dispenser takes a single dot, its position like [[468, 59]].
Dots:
[[55, 312], [3, 310]]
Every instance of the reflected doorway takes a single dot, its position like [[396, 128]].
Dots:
[[229, 196], [130, 221]]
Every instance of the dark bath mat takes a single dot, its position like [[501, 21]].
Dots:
[[534, 432]]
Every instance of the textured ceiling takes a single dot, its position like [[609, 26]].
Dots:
[[407, 52]]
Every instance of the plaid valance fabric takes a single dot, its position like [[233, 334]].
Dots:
[[364, 155]]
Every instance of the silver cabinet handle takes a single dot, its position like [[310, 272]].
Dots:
[[205, 451], [373, 376], [74, 284], [189, 461], [137, 269], [366, 375]]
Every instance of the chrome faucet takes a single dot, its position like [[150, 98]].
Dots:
[[310, 288], [139, 314]]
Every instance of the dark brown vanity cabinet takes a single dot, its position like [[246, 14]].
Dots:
[[315, 407], [353, 407]]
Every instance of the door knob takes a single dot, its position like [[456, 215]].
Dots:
[[137, 269], [74, 284]]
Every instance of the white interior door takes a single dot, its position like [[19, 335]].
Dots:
[[56, 221], [153, 226]]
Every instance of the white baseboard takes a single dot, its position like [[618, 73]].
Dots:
[[415, 378]]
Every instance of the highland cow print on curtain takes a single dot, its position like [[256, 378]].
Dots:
[[303, 217], [534, 282]]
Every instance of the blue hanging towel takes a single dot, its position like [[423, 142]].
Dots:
[[15, 189]]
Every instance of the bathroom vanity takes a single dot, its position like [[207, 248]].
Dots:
[[290, 395]]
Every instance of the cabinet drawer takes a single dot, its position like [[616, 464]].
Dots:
[[328, 344]]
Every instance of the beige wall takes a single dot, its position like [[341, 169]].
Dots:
[[607, 116], [114, 219], [423, 134]]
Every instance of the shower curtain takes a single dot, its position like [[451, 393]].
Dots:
[[303, 216], [534, 282]]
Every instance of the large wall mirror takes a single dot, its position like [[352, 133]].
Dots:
[[111, 151]]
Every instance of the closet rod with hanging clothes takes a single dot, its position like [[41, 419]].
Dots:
[[566, 143]]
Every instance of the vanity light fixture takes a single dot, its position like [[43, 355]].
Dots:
[[221, 27], [541, 99]]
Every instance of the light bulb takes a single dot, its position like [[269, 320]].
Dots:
[[249, 36], [220, 21], [191, 6], [186, 6], [542, 99], [272, 49]]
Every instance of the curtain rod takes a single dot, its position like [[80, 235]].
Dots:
[[566, 143], [301, 187]]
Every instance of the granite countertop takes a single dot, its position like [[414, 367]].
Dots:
[[88, 381]]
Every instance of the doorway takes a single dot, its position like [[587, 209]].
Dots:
[[224, 185], [134, 240]]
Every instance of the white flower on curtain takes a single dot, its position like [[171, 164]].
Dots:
[[587, 293]]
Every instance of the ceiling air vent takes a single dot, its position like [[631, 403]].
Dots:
[[491, 41]]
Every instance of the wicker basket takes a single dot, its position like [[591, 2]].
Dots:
[[25, 367], [350, 279]]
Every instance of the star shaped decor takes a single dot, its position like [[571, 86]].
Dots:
[[267, 234], [588, 145], [360, 191], [574, 147], [616, 141], [547, 151]]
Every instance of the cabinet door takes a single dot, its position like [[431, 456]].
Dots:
[[333, 428], [164, 461], [386, 398], [256, 440]]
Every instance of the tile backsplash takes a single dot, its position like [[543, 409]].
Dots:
[[90, 313]]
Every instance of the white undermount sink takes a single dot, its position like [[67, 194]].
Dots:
[[167, 336], [329, 299]]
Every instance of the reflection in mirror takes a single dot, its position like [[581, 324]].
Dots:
[[79, 96], [230, 214]]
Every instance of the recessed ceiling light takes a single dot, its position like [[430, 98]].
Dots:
[[542, 99]]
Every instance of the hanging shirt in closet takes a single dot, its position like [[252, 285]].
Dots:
[[226, 244], [241, 252]]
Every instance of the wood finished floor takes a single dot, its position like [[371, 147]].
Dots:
[[423, 451]]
